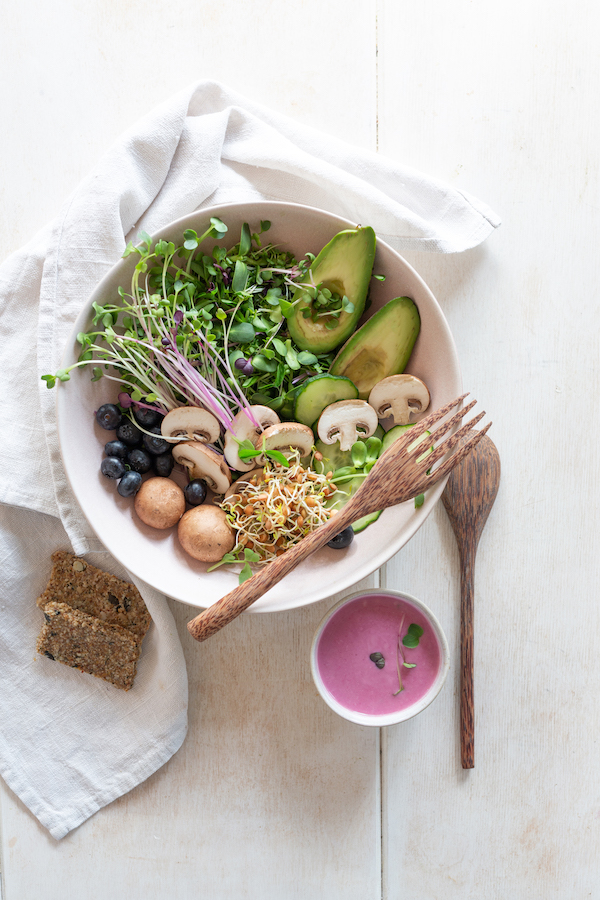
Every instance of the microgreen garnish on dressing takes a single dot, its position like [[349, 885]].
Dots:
[[410, 640], [412, 637]]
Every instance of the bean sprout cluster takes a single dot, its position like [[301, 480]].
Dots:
[[279, 506]]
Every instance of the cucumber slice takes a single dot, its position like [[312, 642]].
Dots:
[[365, 521], [320, 391], [396, 432], [340, 499]]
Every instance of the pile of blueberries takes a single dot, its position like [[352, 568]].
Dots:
[[134, 452]]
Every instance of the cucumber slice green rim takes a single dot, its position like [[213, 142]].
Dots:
[[320, 391], [365, 521], [391, 436]]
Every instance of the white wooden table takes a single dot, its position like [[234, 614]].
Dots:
[[272, 795]]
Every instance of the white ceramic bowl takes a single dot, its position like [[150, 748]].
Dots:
[[346, 653], [156, 556]]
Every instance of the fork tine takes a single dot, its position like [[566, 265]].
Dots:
[[462, 451], [446, 426], [429, 421], [451, 442]]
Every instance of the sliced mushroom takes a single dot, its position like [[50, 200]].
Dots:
[[202, 462], [346, 421], [244, 429], [242, 482], [286, 437], [191, 423], [398, 396]]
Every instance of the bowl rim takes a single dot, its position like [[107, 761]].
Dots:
[[378, 721], [378, 558]]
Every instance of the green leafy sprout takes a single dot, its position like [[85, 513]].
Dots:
[[410, 640], [246, 556], [205, 327]]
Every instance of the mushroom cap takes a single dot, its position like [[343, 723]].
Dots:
[[284, 436], [192, 423], [203, 462], [205, 534], [241, 483], [398, 396], [243, 429], [340, 421], [160, 503]]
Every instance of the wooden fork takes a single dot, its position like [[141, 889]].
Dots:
[[402, 473]]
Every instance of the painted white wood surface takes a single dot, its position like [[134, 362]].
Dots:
[[501, 100], [272, 795]]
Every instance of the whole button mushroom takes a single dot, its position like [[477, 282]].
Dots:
[[346, 421], [160, 503], [205, 534], [398, 396]]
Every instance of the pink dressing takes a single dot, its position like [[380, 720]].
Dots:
[[367, 625]]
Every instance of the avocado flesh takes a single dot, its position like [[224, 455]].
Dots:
[[344, 266], [381, 347]]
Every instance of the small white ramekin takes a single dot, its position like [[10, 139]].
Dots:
[[361, 718]]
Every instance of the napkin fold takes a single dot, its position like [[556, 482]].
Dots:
[[69, 743]]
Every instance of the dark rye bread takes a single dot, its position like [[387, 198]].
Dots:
[[84, 642], [84, 587]]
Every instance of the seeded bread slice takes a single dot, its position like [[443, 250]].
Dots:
[[84, 587], [81, 641]]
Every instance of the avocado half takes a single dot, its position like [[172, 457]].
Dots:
[[381, 347], [344, 266]]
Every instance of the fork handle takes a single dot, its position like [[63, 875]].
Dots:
[[211, 620]]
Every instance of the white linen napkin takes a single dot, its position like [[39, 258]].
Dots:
[[69, 743]]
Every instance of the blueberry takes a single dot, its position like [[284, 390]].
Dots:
[[116, 448], [112, 467], [342, 540], [163, 464], [155, 443], [139, 460], [147, 417], [108, 416], [129, 434], [195, 492], [129, 484]]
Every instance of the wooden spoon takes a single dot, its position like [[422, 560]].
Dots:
[[403, 472], [468, 498]]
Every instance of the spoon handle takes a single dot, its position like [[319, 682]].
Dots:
[[467, 591]]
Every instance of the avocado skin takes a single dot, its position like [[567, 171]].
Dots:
[[381, 347], [345, 265]]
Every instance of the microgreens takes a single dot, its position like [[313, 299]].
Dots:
[[236, 556], [247, 450], [411, 640], [200, 327]]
